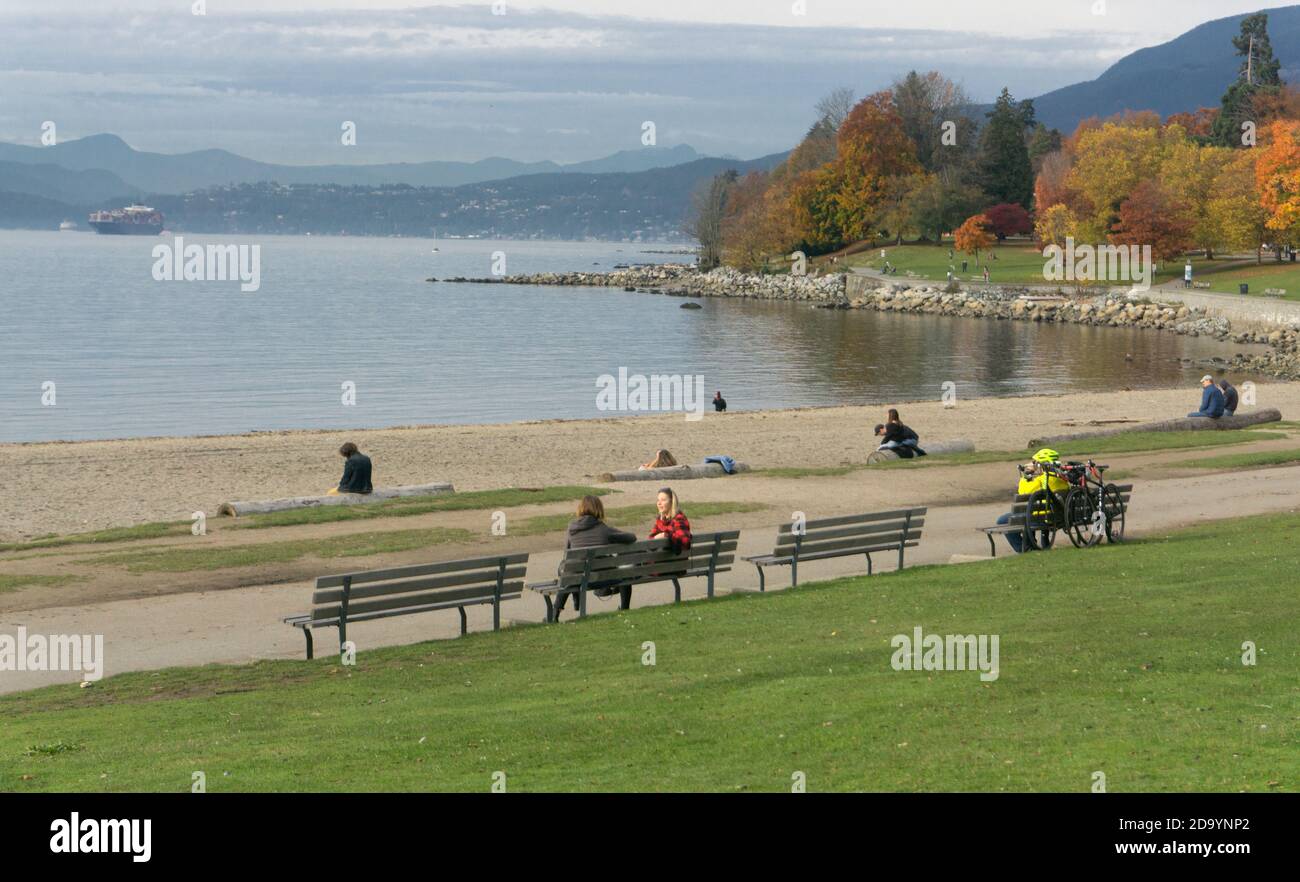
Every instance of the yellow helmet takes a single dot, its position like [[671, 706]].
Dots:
[[1047, 454]]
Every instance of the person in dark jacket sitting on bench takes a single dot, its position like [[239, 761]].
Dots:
[[589, 530], [1211, 400], [356, 471]]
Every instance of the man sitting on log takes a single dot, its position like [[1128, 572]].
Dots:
[[356, 472], [1212, 402]]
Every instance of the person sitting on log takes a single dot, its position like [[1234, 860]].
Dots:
[[1212, 403], [663, 460], [356, 472], [901, 439], [1230, 398]]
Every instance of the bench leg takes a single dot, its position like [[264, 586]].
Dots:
[[762, 581], [677, 591], [901, 549], [464, 624], [868, 563], [551, 616], [625, 597], [993, 547], [306, 632], [794, 573]]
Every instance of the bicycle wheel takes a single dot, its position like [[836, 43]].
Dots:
[[1080, 509], [1113, 505]]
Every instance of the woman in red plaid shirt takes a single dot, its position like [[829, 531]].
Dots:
[[671, 523]]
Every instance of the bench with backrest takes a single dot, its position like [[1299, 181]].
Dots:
[[848, 536], [640, 563], [359, 597], [1275, 292], [1019, 507]]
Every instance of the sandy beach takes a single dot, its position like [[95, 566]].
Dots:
[[89, 485]]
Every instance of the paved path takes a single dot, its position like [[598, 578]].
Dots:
[[242, 625]]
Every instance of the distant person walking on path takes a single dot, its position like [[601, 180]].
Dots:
[[986, 275], [719, 403], [1230, 398], [1187, 275], [356, 471], [1212, 403], [589, 530]]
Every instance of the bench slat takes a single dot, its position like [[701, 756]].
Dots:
[[401, 611], [884, 527], [454, 597], [423, 583], [649, 571], [854, 519], [449, 566], [849, 545]]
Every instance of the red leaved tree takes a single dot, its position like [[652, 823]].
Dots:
[[1152, 215], [1008, 219]]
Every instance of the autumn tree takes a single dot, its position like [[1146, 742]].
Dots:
[[1277, 178], [935, 115], [1055, 225], [1234, 210], [1190, 170], [1112, 160], [1151, 215], [974, 235], [1008, 219], [940, 203], [708, 208]]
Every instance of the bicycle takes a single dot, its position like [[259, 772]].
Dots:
[[1093, 508]]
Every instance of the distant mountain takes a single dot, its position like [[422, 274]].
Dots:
[[645, 205], [58, 184], [1184, 74], [184, 172]]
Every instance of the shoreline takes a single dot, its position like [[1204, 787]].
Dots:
[[68, 487], [1102, 307]]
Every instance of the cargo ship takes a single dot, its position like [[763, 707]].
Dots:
[[134, 220]]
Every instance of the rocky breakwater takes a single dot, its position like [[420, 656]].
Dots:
[[681, 280]]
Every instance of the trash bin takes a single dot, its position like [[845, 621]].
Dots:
[[1244, 288]]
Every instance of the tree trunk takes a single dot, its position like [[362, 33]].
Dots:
[[1186, 424], [236, 509]]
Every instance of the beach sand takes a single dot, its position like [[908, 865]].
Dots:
[[71, 487]]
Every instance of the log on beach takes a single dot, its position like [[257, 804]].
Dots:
[[939, 448], [673, 473], [1186, 424], [235, 509]]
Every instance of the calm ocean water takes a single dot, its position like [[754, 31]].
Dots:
[[130, 356]]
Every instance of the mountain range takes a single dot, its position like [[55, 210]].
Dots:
[[41, 185]]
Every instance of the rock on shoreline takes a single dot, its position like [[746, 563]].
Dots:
[[1001, 303]]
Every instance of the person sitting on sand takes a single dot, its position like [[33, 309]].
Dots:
[[663, 460], [899, 438], [719, 403], [1212, 402], [356, 472], [589, 530], [1230, 398], [1034, 476]]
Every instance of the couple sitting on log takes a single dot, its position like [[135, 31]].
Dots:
[[898, 438]]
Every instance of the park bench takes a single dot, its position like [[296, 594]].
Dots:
[[848, 536], [1275, 292], [639, 563], [360, 597], [1016, 524], [1204, 286]]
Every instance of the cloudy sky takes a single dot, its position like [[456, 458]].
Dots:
[[561, 79]]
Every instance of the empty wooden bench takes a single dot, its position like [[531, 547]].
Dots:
[[640, 563], [849, 536], [1019, 505], [361, 597]]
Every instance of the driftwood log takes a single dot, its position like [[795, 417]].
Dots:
[[939, 448], [235, 509], [673, 473], [1186, 424]]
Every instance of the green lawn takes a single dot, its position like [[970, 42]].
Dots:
[[1245, 460], [1020, 263], [14, 582], [1125, 660]]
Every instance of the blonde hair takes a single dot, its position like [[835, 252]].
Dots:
[[591, 506], [663, 459], [673, 508]]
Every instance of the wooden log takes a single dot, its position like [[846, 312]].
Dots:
[[939, 448], [235, 509], [673, 473], [1186, 424]]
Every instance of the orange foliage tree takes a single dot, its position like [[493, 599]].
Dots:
[[975, 234]]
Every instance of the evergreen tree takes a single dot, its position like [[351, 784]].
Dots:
[[1005, 172], [1260, 75]]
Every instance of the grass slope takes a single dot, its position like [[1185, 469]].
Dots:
[[1125, 660]]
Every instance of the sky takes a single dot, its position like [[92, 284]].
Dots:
[[564, 80]]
